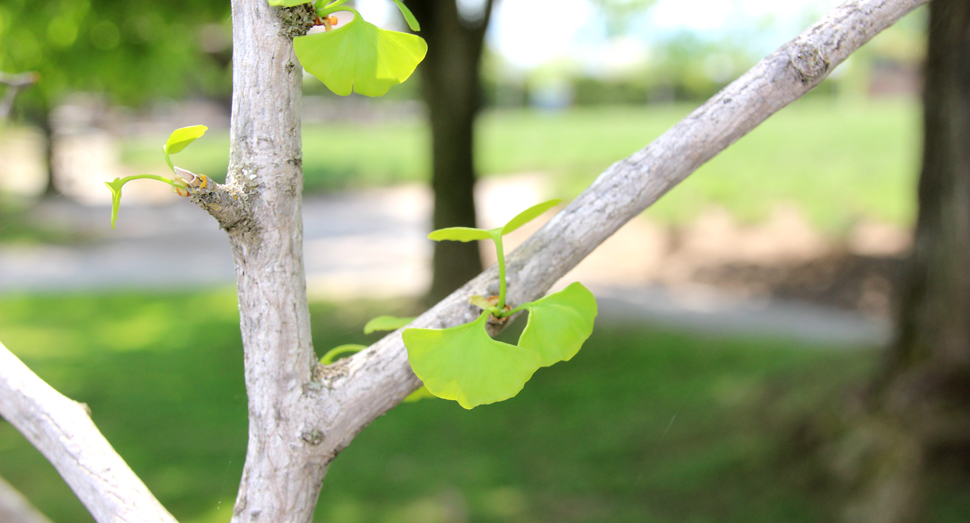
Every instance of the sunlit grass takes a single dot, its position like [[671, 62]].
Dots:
[[839, 162], [642, 425]]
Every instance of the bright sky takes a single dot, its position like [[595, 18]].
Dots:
[[531, 32]]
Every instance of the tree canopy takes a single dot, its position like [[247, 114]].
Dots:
[[134, 51]]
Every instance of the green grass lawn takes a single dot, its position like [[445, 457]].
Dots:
[[838, 161], [643, 425]]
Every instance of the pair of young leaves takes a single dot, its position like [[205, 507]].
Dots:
[[178, 140], [464, 363], [357, 55]]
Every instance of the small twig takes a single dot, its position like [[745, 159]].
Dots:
[[14, 83], [226, 203]]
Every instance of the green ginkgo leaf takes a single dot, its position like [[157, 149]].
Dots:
[[528, 215], [464, 364], [412, 21], [460, 234], [360, 57], [559, 323], [386, 323], [180, 138]]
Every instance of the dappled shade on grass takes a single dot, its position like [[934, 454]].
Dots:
[[640, 426]]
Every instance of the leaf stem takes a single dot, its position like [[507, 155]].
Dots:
[[500, 254], [335, 352], [169, 181]]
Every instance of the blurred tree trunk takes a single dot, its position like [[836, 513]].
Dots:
[[40, 118], [44, 123], [920, 402], [450, 76]]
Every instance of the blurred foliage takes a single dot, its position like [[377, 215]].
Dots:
[[136, 51], [618, 13]]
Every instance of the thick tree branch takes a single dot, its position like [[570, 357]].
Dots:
[[284, 465], [63, 432], [366, 385]]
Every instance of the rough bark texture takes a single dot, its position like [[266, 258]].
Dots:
[[920, 401], [282, 474], [63, 432], [450, 82]]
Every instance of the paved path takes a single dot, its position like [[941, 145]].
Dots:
[[372, 244]]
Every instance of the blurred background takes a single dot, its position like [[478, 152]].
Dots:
[[737, 313]]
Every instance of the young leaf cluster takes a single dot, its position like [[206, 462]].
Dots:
[[178, 140], [357, 56], [465, 364]]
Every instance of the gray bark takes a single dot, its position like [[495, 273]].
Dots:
[[284, 465], [63, 432]]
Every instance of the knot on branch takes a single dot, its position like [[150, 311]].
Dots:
[[313, 436], [809, 61], [296, 21]]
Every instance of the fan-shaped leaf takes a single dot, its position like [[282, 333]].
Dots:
[[460, 234], [559, 323], [360, 57], [386, 323], [528, 215], [180, 138], [464, 364]]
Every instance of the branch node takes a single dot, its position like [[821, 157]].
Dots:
[[296, 21], [313, 436], [228, 204], [85, 407], [809, 61]]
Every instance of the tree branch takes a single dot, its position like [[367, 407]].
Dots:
[[63, 432], [359, 389], [14, 83], [284, 466], [14, 507]]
